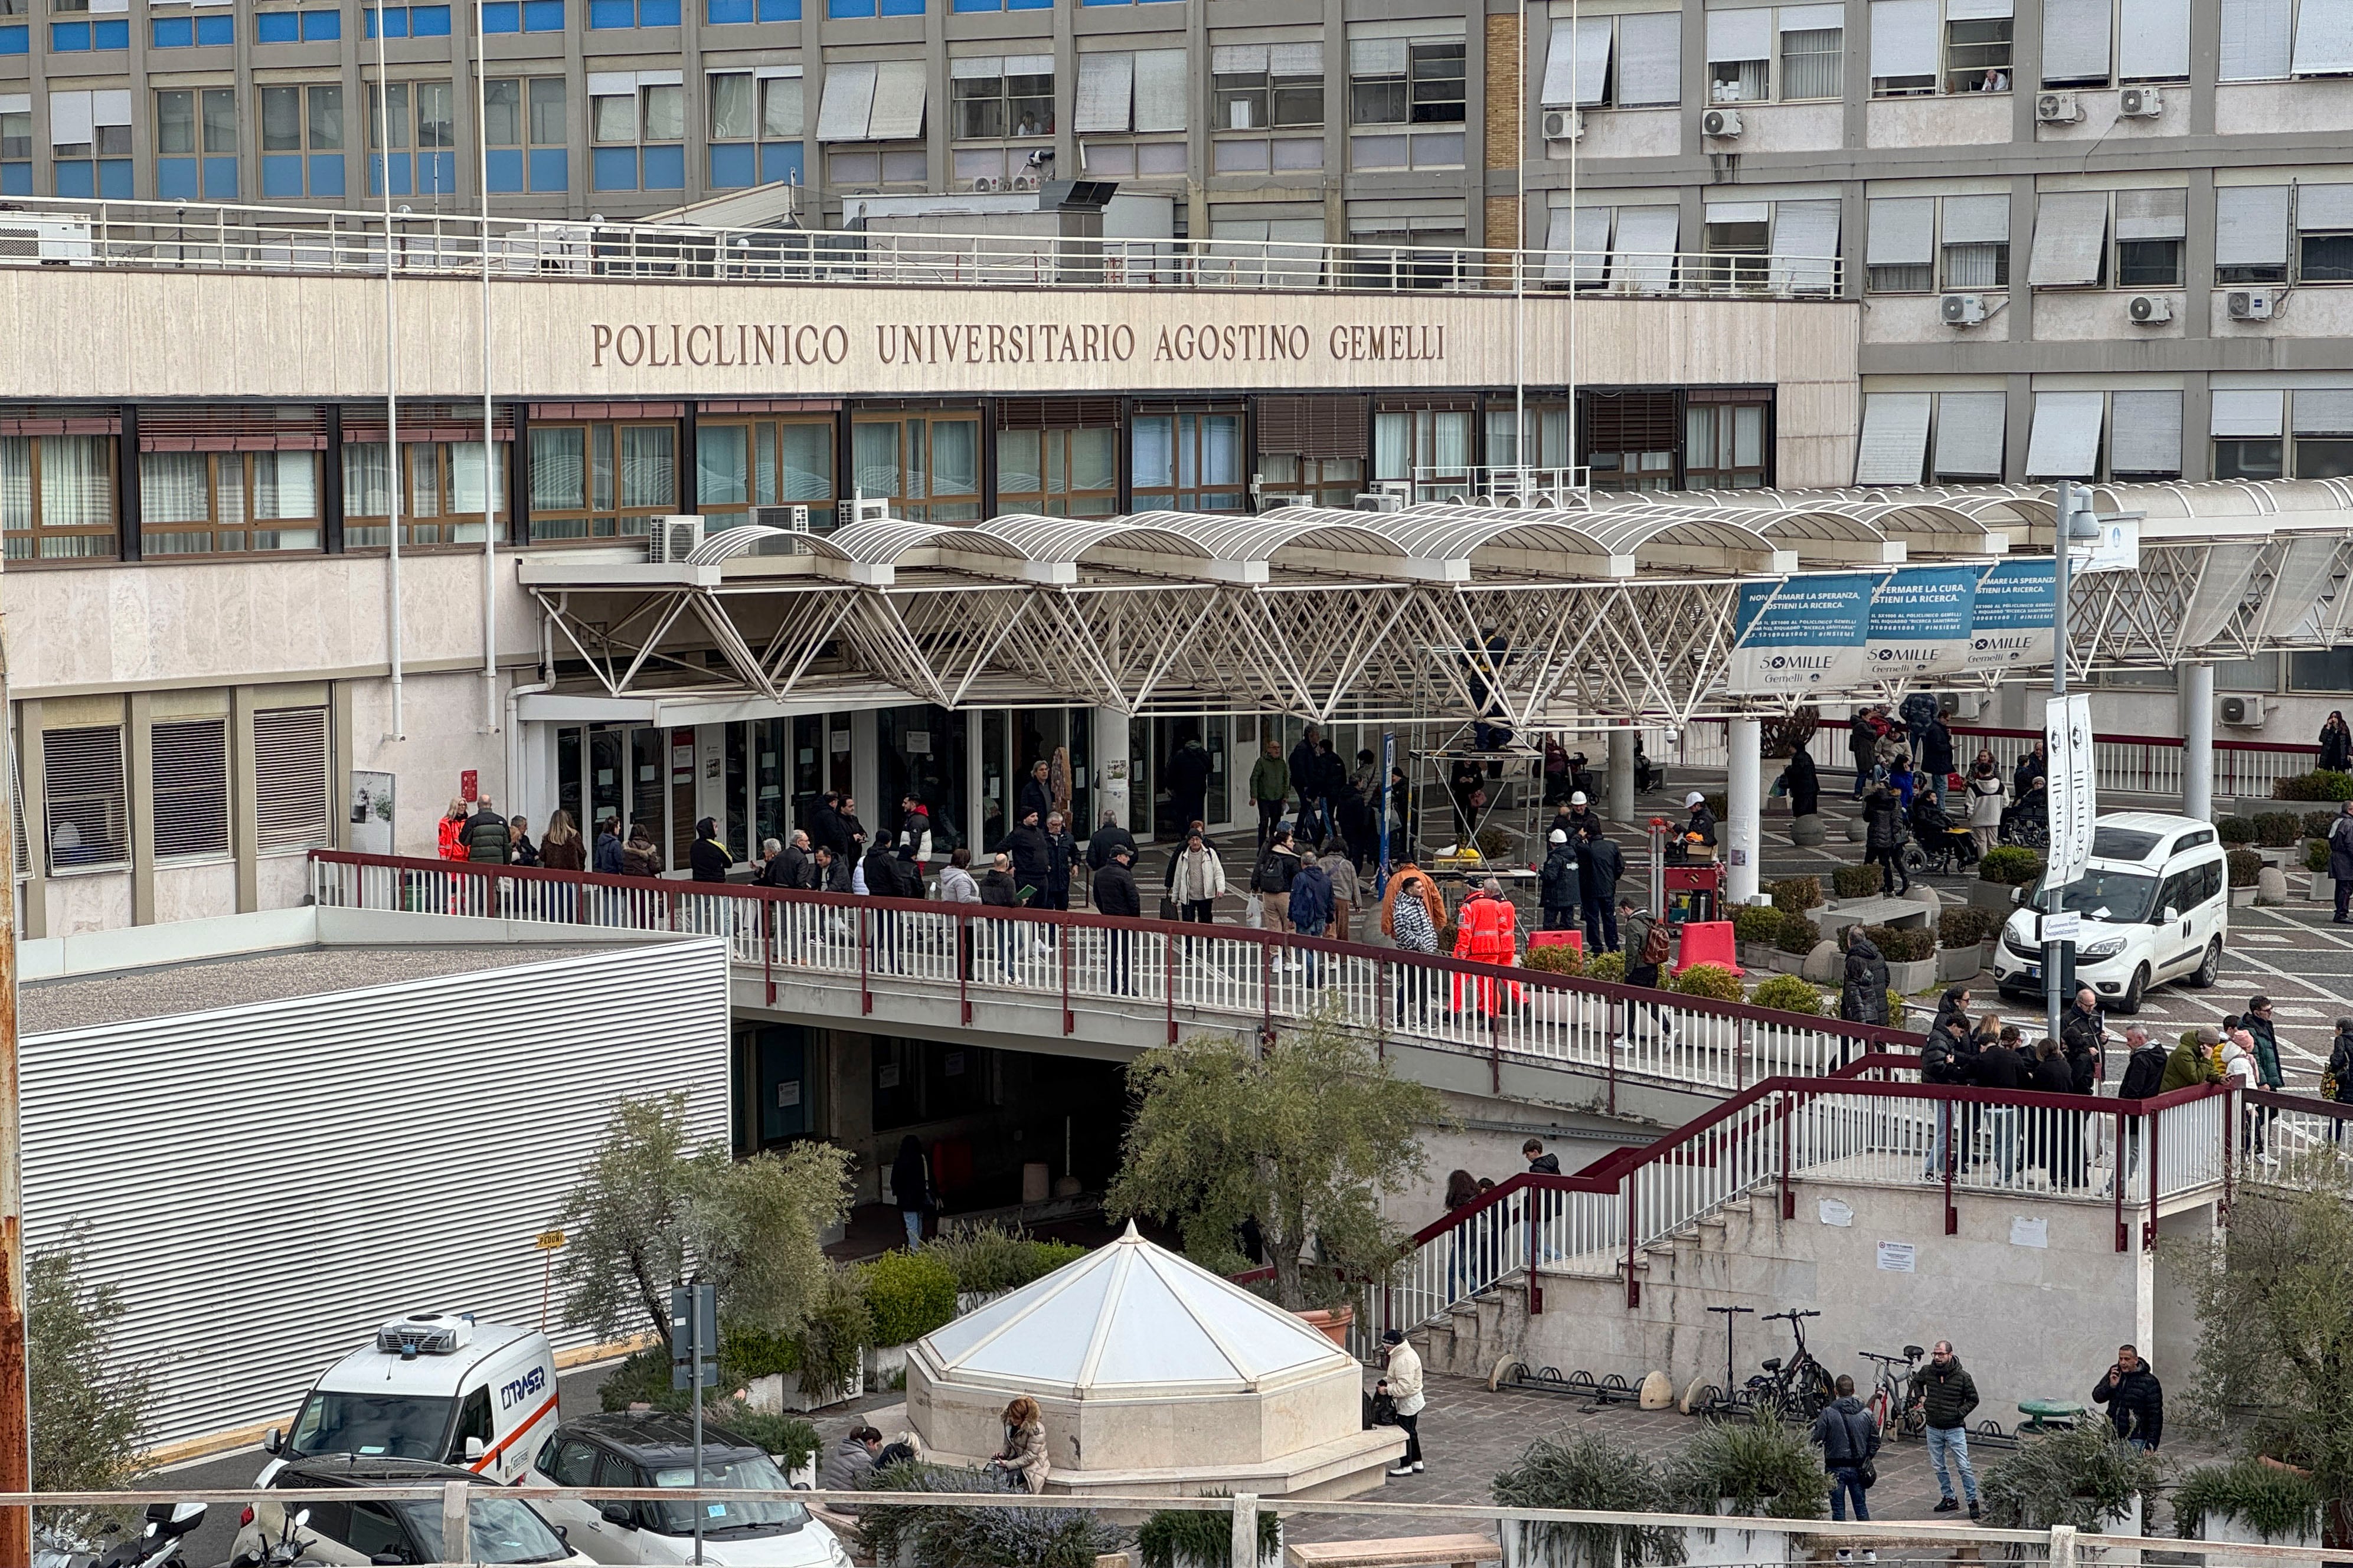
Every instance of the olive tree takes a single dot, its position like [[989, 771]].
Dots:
[[653, 1208], [1305, 1137], [89, 1407]]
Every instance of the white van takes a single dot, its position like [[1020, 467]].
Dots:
[[433, 1385], [2156, 904]]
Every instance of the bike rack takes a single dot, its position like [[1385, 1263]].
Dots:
[[1610, 1389]]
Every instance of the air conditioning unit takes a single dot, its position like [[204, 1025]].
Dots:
[[426, 1333], [1022, 183], [2248, 304], [1723, 122], [2148, 309], [987, 182], [1380, 500], [860, 508], [1563, 124], [1961, 309], [2140, 103], [2241, 712], [791, 519], [2057, 108], [671, 540]]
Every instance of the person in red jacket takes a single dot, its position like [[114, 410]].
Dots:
[[453, 830], [1486, 931]]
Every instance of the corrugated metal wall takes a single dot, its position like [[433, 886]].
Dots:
[[267, 1183]]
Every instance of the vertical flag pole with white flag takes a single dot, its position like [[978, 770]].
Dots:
[[2068, 785]]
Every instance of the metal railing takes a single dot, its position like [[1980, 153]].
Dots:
[[240, 238], [1151, 971]]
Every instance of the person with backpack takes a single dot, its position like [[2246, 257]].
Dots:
[[1310, 907], [1849, 1439], [1270, 879], [1649, 944]]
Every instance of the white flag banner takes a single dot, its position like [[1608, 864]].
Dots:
[[2067, 736]]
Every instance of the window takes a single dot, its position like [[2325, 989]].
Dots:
[[601, 480], [1813, 52], [86, 824], [441, 497], [419, 114], [2324, 229], [291, 789], [207, 503], [997, 97], [2150, 228], [1257, 87], [757, 126], [1406, 83], [1903, 48], [522, 16], [1003, 6], [2265, 40], [1633, 61], [874, 100], [2064, 443], [407, 21], [90, 143], [1976, 242], [1894, 447], [1977, 54], [2146, 439], [2248, 427], [195, 143], [81, 38], [1058, 457], [2071, 234], [181, 32], [638, 123], [633, 13], [1631, 440], [1188, 462], [2076, 42], [15, 144], [524, 127], [2330, 672], [1428, 446], [2321, 422], [16, 40], [725, 13], [1901, 244], [1140, 91], [2250, 234], [920, 1080], [1549, 447], [302, 141], [299, 27], [56, 496], [1740, 56], [1724, 446], [765, 462], [927, 465], [1734, 238], [1971, 428], [847, 9], [189, 759]]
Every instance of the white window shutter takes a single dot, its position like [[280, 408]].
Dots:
[[1376, 56], [2065, 441], [2071, 235], [1903, 38], [2075, 40], [2324, 208], [2153, 41], [1106, 84], [1976, 10], [2247, 411], [1577, 63], [1805, 247], [2152, 215], [69, 118], [2256, 39], [1642, 254], [110, 105], [1651, 59], [2324, 37], [975, 68], [2148, 438], [1295, 60], [1969, 430], [1902, 231], [2322, 411], [1160, 89], [848, 104], [2251, 225], [898, 115], [1738, 36], [1977, 220], [291, 784], [1894, 440], [1238, 59]]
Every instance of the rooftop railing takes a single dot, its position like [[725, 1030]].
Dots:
[[237, 237]]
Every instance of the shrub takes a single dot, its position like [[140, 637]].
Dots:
[[834, 1338], [1857, 882], [1202, 1535], [1757, 923], [1764, 1468], [2277, 829], [1555, 958], [991, 1257], [2235, 829], [1592, 1474], [792, 1440], [2013, 865], [1902, 944], [1796, 895], [2085, 1477], [2321, 784], [1494, 843], [1965, 925], [1013, 1538], [1798, 934], [2273, 1502], [909, 1294], [1608, 967], [1719, 805], [2315, 854], [2246, 865], [882, 1530], [1712, 981], [2317, 824], [1787, 993]]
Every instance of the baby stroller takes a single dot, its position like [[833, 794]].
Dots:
[[1937, 846], [2026, 821]]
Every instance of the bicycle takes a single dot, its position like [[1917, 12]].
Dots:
[[1798, 1388], [1896, 1397]]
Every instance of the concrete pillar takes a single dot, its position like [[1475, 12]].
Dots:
[[1744, 810], [1622, 775], [2198, 741], [1112, 764], [140, 723]]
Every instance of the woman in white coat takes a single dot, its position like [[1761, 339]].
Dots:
[[1403, 1379], [1985, 800]]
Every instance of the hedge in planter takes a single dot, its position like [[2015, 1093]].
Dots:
[[1796, 895], [1966, 926], [1757, 923], [2317, 824], [1012, 1538], [2012, 864], [1798, 934], [2276, 1504], [2246, 867], [2321, 784], [2277, 829], [1857, 882], [909, 1294], [882, 1530], [1200, 1538], [1555, 958], [1902, 944], [1712, 981], [1608, 967], [2086, 1477], [1787, 993], [1590, 1474], [2315, 854], [992, 1256], [1764, 1468], [2234, 829]]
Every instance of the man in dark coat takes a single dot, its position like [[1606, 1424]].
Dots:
[[1107, 837], [1862, 742], [1558, 882], [1935, 756], [2340, 859], [1948, 1395], [1032, 858], [1187, 776], [1863, 998], [1037, 793], [1599, 864], [2031, 768], [1115, 894], [1303, 780], [488, 840], [1803, 784], [2135, 1400], [2085, 1033], [1883, 841], [1062, 853], [790, 867]]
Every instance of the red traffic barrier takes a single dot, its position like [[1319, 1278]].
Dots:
[[1575, 938], [1708, 942]]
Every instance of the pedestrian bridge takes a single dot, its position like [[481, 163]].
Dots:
[[1108, 988]]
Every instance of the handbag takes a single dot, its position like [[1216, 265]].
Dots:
[[1168, 908], [1868, 1474], [1955, 781]]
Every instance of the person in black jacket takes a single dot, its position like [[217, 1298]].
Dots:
[[791, 865], [911, 1188], [2135, 1400], [1107, 837], [1882, 821], [1037, 793], [883, 880], [1948, 1395], [1027, 845], [1803, 785], [2339, 1070], [2059, 1130], [487, 837], [1862, 744], [1115, 894], [1062, 849], [2085, 1033], [706, 857], [849, 834], [1599, 864], [1560, 883], [1863, 998], [2000, 1066], [1849, 1439]]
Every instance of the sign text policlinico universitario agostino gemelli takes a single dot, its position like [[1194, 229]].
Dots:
[[727, 345]]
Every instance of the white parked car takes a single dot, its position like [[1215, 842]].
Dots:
[[2156, 906], [499, 1528], [655, 1448]]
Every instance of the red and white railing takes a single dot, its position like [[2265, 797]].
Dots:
[[1057, 963]]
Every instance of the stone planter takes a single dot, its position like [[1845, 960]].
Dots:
[[884, 1362], [2230, 1529], [1998, 896], [1333, 1324], [778, 1392], [1960, 963], [1187, 1559], [2119, 1556], [1741, 1547], [1763, 956], [2242, 897], [803, 1476], [1912, 977]]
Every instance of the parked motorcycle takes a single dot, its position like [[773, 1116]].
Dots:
[[158, 1545]]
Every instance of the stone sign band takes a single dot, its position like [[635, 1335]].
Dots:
[[659, 346]]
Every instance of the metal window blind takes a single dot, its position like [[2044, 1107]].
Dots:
[[2323, 36], [1105, 85], [2247, 411], [191, 787], [1160, 91], [2071, 234], [2323, 207], [279, 428], [2075, 40], [2064, 443], [1977, 220], [898, 114], [2152, 215], [1969, 429], [975, 68], [1324, 426], [1643, 254], [1976, 10], [1577, 63], [2323, 411], [848, 102], [1813, 18], [2153, 39], [1649, 59], [428, 421], [1630, 422], [1238, 59], [1805, 246], [1295, 60], [17, 809], [1902, 231], [1371, 54], [2148, 438], [88, 818], [2254, 39], [1895, 441], [1903, 38], [2251, 225], [1736, 36], [1057, 413], [289, 778]]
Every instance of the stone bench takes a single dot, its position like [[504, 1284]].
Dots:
[[1877, 912], [1398, 1551]]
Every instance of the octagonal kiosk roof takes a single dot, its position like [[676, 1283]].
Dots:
[[1129, 1321]]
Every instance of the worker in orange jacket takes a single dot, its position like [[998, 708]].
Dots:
[[1486, 929]]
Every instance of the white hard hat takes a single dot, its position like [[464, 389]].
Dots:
[[1559, 836], [1694, 798], [1577, 799]]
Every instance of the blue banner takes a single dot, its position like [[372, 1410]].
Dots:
[[2011, 623], [1802, 636], [1921, 621]]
